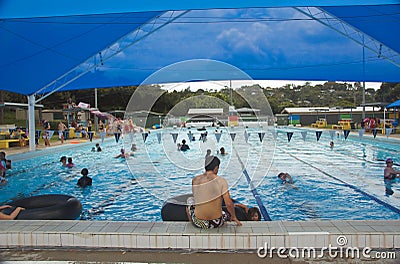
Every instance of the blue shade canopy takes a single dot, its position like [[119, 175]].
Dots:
[[394, 104], [39, 43]]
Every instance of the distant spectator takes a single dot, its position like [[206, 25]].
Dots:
[[46, 133], [5, 164], [61, 128]]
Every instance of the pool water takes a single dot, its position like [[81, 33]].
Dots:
[[329, 183]]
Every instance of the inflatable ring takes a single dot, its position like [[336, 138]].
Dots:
[[174, 209], [47, 207]]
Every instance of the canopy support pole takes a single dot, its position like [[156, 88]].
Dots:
[[363, 91], [31, 118]]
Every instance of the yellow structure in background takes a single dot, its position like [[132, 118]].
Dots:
[[321, 123], [344, 124]]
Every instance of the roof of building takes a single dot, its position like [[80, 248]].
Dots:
[[247, 110], [311, 110], [205, 111]]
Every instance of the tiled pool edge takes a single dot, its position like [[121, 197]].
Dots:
[[180, 235]]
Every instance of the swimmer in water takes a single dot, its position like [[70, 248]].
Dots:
[[70, 164], [63, 160], [331, 144], [85, 180], [285, 177], [123, 154], [389, 175], [253, 214]]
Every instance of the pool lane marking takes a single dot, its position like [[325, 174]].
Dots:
[[260, 204], [389, 206]]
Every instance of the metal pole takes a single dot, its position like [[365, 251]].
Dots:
[[95, 105], [363, 91], [230, 90], [384, 121], [31, 118]]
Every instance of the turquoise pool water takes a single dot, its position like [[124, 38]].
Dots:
[[345, 182]]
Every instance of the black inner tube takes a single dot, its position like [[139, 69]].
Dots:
[[47, 207], [174, 209]]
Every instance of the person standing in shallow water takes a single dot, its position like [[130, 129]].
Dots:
[[184, 146], [389, 175], [85, 180], [70, 164], [63, 161]]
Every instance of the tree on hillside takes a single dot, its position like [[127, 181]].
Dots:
[[389, 92]]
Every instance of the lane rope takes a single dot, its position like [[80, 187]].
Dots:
[[260, 204]]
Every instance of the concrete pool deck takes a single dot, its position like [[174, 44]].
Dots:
[[73, 238]]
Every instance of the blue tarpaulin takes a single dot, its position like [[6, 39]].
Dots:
[[268, 40], [394, 104]]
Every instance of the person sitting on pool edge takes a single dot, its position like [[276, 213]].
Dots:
[[11, 216], [209, 190], [285, 177], [85, 180], [389, 174]]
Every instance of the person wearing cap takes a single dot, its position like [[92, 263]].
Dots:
[[389, 174]]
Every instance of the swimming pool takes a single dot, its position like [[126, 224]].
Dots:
[[340, 183]]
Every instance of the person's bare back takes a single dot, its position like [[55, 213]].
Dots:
[[208, 189]]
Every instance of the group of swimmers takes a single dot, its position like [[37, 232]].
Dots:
[[123, 154], [85, 180]]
